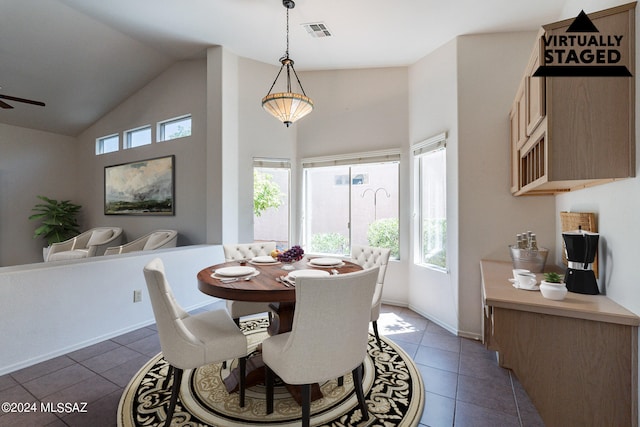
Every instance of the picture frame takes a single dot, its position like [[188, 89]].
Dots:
[[144, 187]]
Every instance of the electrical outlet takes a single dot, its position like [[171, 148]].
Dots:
[[137, 295]]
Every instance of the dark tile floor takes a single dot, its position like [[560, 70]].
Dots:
[[464, 385]]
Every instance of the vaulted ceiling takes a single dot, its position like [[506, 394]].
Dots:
[[83, 57]]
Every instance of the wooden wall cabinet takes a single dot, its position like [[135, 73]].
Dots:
[[568, 133]]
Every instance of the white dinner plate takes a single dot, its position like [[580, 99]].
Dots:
[[308, 273], [326, 262], [235, 271], [265, 259]]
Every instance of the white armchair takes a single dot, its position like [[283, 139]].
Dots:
[[88, 244], [190, 341], [157, 239], [328, 338], [371, 257]]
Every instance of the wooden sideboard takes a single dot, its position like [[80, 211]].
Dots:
[[576, 358]]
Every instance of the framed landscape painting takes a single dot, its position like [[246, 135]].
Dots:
[[145, 187]]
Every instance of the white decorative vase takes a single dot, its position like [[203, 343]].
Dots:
[[554, 291]]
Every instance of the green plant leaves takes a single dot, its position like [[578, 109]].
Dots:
[[58, 220]]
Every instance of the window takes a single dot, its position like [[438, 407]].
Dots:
[[351, 201], [271, 183], [174, 128], [107, 144], [430, 159], [138, 137]]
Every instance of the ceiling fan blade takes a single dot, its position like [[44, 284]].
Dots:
[[5, 105], [26, 101]]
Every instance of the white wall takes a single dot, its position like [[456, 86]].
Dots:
[[32, 163], [466, 88], [490, 67], [49, 309], [260, 135], [433, 104]]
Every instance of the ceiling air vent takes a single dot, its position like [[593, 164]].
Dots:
[[317, 29]]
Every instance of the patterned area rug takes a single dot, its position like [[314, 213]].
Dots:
[[392, 385]]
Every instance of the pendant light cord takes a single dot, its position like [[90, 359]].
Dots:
[[287, 51]]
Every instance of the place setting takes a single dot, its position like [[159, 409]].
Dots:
[[290, 279], [325, 262], [235, 273], [264, 260]]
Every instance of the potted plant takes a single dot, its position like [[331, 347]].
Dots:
[[58, 220], [552, 278], [552, 287]]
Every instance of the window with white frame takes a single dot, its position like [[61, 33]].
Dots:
[[137, 137], [430, 161], [174, 128], [271, 208], [351, 200], [107, 144]]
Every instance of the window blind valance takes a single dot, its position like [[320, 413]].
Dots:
[[352, 159], [263, 162], [431, 144]]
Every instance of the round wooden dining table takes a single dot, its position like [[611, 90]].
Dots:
[[265, 287]]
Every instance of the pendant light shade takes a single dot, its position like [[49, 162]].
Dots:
[[288, 107]]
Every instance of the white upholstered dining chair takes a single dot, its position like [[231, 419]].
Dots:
[[187, 341], [370, 257], [328, 338], [238, 309], [91, 243]]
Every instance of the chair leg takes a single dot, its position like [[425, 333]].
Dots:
[[165, 383], [357, 384], [243, 379], [175, 388], [375, 331], [237, 322], [306, 405], [268, 382]]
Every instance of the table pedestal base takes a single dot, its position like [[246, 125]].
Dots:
[[255, 375]]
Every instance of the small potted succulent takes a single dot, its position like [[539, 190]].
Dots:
[[552, 287], [552, 277]]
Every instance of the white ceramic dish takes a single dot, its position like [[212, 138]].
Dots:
[[554, 291], [265, 259], [234, 271], [235, 278], [326, 262], [533, 288], [307, 273]]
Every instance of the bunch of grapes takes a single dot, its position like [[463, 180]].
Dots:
[[292, 254]]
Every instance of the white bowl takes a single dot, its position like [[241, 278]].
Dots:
[[554, 291]]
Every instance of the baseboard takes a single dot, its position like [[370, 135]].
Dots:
[[453, 330], [62, 351]]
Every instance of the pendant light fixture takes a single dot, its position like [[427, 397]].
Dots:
[[288, 107]]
